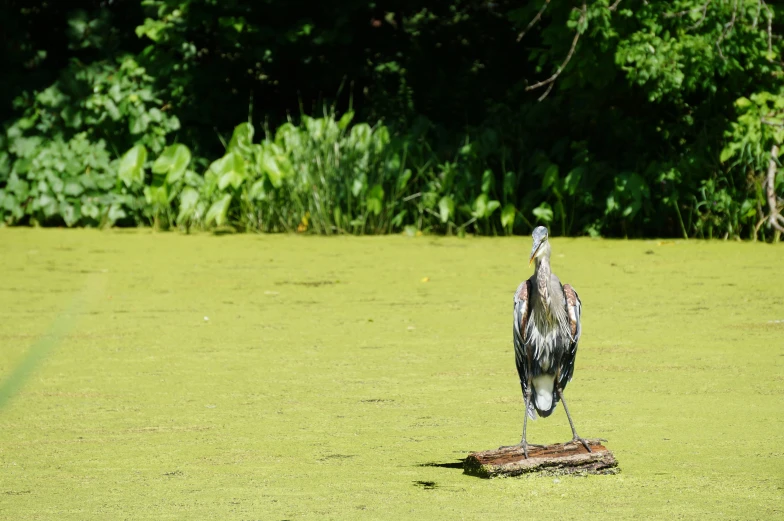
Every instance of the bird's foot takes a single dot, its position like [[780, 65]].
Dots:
[[524, 446], [577, 439]]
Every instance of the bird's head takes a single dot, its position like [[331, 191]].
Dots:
[[540, 236]]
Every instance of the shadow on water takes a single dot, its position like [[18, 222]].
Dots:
[[455, 465], [431, 485]]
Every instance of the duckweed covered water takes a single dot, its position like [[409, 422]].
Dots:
[[282, 377]]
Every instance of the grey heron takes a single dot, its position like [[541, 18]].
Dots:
[[546, 333]]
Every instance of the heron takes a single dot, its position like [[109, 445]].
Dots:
[[546, 333]]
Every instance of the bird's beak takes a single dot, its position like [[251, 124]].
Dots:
[[536, 247]]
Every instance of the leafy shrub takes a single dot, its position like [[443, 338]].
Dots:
[[56, 166], [57, 182]]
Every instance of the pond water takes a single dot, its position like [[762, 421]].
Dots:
[[158, 375]]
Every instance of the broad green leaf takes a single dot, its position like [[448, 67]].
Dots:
[[115, 214], [550, 176], [572, 180], [742, 102], [446, 208], [611, 204], [5, 164], [191, 178], [73, 188], [748, 208], [48, 204], [346, 120], [272, 161], [381, 139], [242, 140], [509, 183], [430, 199], [7, 201], [70, 213], [492, 206], [112, 109], [402, 181], [269, 165], [232, 178], [543, 213], [152, 29], [230, 170], [508, 215], [218, 211], [173, 162], [778, 137], [393, 163], [358, 185], [131, 169], [375, 199], [257, 191], [157, 196], [289, 137], [56, 184], [23, 165], [338, 216], [139, 123], [359, 137], [727, 152], [480, 207], [487, 181], [188, 199], [90, 210]]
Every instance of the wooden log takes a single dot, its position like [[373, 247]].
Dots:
[[552, 460]]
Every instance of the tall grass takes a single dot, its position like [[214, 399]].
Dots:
[[327, 176]]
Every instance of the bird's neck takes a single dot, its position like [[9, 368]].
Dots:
[[543, 280]]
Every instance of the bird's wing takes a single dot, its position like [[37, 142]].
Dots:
[[573, 311], [521, 313]]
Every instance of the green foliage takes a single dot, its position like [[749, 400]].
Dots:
[[759, 126], [60, 182], [57, 166], [111, 100], [604, 118]]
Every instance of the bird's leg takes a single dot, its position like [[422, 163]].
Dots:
[[524, 442], [575, 437]]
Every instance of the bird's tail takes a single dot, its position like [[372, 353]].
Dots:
[[544, 399], [531, 410]]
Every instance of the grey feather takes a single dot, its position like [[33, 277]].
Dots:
[[546, 331]]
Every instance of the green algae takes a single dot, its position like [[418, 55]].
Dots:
[[284, 377]]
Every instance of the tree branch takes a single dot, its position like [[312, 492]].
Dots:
[[775, 220], [533, 22], [563, 65], [615, 5], [756, 16], [770, 26], [727, 28], [704, 13], [680, 14]]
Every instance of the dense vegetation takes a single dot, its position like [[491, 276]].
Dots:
[[611, 117]]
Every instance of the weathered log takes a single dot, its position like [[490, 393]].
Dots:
[[551, 460]]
